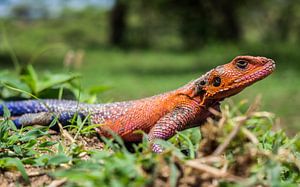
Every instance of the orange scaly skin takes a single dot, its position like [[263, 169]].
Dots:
[[159, 116]]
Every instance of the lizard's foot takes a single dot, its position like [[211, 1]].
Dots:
[[157, 148]]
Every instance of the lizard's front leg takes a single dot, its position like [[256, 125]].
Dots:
[[167, 126], [179, 119]]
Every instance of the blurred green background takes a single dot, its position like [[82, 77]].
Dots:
[[141, 48]]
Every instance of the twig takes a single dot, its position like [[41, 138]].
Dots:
[[57, 183], [222, 121], [283, 156], [215, 112], [212, 171], [250, 136], [65, 133], [36, 173], [210, 159], [255, 105], [220, 149]]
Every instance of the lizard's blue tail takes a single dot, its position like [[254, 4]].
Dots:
[[18, 108], [42, 111]]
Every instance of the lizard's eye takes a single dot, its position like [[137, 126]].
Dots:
[[242, 64], [217, 81]]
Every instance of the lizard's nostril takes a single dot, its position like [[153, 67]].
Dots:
[[267, 60]]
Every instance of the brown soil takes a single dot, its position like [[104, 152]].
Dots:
[[39, 176], [194, 173]]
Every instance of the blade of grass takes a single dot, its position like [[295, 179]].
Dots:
[[19, 165], [11, 51]]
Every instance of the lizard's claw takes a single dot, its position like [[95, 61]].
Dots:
[[157, 148]]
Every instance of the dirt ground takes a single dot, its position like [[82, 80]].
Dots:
[[40, 176], [207, 170]]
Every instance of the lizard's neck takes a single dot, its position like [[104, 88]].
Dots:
[[189, 90]]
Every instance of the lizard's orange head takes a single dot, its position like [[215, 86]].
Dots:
[[231, 78]]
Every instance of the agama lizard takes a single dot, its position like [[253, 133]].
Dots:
[[159, 116]]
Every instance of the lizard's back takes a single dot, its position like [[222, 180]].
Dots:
[[122, 118]]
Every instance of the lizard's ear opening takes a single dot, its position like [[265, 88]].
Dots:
[[199, 87], [202, 83]]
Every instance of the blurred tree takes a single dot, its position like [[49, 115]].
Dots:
[[277, 20], [118, 23], [228, 26], [201, 21], [28, 11], [197, 21], [22, 12], [283, 23]]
